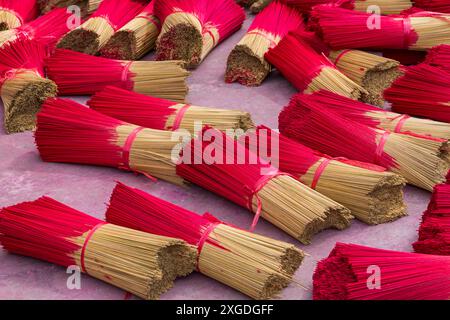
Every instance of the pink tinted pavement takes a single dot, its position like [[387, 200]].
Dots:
[[24, 177]]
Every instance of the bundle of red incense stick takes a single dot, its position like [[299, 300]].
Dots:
[[246, 63], [220, 164], [257, 266], [136, 38], [15, 13], [140, 263], [82, 74], [433, 5], [192, 28], [381, 119], [47, 29], [353, 272], [161, 114], [23, 84], [95, 32], [439, 56], [422, 160], [72, 133], [370, 192], [309, 71], [385, 6], [346, 29], [434, 231], [423, 90]]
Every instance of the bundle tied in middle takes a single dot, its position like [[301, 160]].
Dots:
[[222, 165]]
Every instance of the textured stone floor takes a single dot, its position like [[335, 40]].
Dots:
[[23, 177]]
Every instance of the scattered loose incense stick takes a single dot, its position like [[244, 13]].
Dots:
[[422, 161], [136, 38], [143, 264], [307, 70], [246, 63], [263, 189], [344, 275], [374, 117], [372, 194], [23, 86], [70, 132], [15, 13], [257, 266], [81, 74], [95, 32], [161, 114], [191, 29]]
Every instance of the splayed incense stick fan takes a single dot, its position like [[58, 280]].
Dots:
[[257, 266], [434, 231], [381, 119], [47, 29], [345, 29], [422, 161], [385, 6], [15, 13], [81, 74], [264, 190], [344, 275], [95, 32], [309, 71], [246, 63], [140, 263], [23, 84], [192, 28], [87, 6], [161, 114], [136, 38], [423, 91], [370, 192], [70, 132]]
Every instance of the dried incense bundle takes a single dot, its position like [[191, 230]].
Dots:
[[353, 272], [47, 29], [370, 71], [161, 114], [246, 63], [23, 86], [95, 32], [81, 74], [257, 266], [385, 6], [138, 262], [192, 28], [15, 13], [370, 192], [136, 38], [422, 161], [423, 91], [87, 6], [227, 168], [70, 132], [381, 119], [434, 231], [309, 71], [434, 5], [346, 29]]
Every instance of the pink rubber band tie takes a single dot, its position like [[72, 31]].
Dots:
[[126, 71], [205, 236], [151, 19], [339, 57], [401, 123], [380, 148], [179, 117], [319, 171], [273, 44], [407, 29], [86, 241], [212, 36]]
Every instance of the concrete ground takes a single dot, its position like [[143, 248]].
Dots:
[[24, 177]]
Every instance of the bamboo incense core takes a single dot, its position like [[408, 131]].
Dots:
[[372, 72], [134, 40], [22, 97]]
